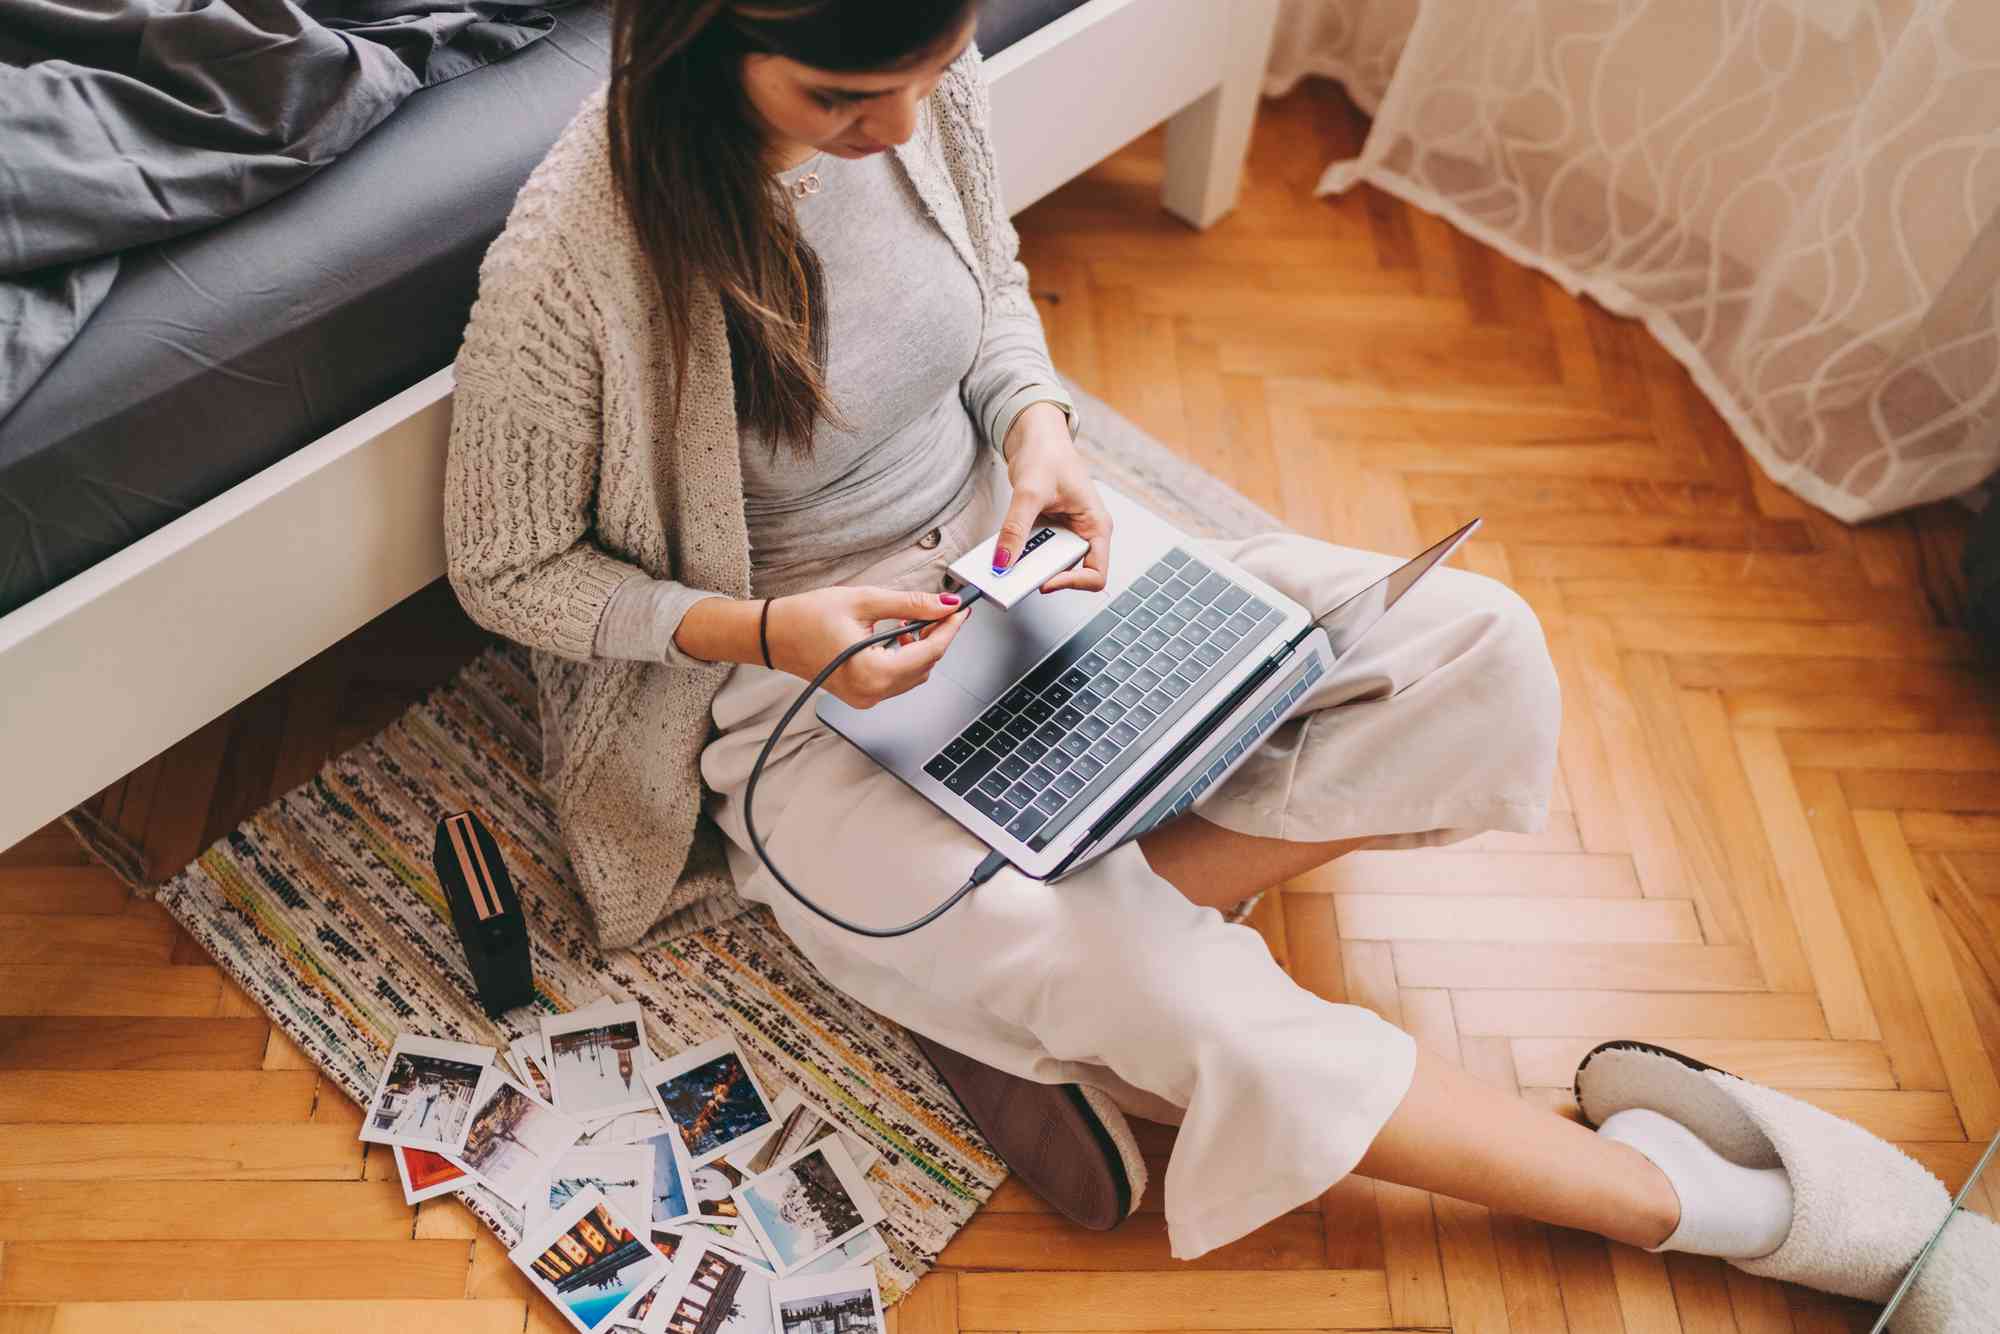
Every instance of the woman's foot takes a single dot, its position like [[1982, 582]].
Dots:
[[1730, 1211], [1861, 1209]]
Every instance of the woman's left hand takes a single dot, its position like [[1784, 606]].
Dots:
[[1049, 478]]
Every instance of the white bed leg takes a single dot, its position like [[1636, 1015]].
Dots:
[[1208, 139]]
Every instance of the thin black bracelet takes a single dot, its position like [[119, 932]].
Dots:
[[763, 627]]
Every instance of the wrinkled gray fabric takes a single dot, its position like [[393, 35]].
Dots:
[[129, 121]]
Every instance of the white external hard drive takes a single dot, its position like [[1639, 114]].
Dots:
[[1048, 551]]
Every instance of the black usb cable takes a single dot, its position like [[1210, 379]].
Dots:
[[986, 869]]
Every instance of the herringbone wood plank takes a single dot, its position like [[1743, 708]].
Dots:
[[1775, 843]]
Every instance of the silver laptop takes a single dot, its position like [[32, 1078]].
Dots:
[[1060, 729]]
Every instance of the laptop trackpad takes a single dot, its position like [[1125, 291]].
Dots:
[[995, 648]]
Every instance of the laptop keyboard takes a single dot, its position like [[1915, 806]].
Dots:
[[1061, 735], [1194, 784]]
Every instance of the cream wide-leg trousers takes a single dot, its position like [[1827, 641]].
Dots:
[[1441, 724]]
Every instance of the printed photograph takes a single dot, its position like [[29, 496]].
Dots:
[[427, 1088], [719, 1294], [799, 1124], [627, 1127], [712, 1191], [425, 1175], [857, 1250], [527, 1061], [846, 1302], [712, 1098], [515, 1140], [622, 1173], [589, 1262], [807, 1205], [669, 1199], [595, 1057]]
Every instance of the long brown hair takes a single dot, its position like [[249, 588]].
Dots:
[[690, 165]]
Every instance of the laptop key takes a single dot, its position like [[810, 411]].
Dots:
[[1016, 699], [1014, 766], [1030, 750], [1142, 619], [1126, 601], [1141, 716], [1211, 588], [1208, 618], [1111, 711], [1230, 598], [989, 806], [1160, 604], [1154, 640], [940, 766], [1170, 624], [1067, 717], [1128, 695], [1120, 670], [1038, 711], [1003, 742], [1050, 802], [994, 785], [978, 734], [1120, 637], [1090, 663], [1145, 679], [1077, 677], [1123, 733], [1207, 656], [1026, 823], [958, 750], [1087, 767], [1161, 700], [1105, 751], [1088, 700], [1041, 775], [1069, 784], [1023, 793], [1175, 559], [1050, 732], [1242, 624], [1093, 727]]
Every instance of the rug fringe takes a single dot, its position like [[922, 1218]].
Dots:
[[115, 852]]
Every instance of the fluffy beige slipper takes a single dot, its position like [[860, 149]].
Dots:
[[1862, 1209]]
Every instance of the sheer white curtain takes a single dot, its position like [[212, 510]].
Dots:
[[1800, 198]]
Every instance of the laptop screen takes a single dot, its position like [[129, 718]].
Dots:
[[1350, 620]]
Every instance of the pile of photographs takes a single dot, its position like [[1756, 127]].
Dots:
[[659, 1196]]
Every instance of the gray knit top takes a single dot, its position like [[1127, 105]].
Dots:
[[903, 334]]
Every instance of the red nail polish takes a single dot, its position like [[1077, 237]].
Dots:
[[1001, 558], [949, 599]]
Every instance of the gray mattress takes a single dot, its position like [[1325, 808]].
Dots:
[[217, 354]]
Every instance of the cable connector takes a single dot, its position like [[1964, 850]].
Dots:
[[987, 868]]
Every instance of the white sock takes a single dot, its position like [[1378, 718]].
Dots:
[[1737, 1213]]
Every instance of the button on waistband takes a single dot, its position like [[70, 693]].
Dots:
[[931, 539]]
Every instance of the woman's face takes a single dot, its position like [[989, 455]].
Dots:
[[804, 110]]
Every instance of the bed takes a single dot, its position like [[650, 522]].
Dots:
[[255, 417]]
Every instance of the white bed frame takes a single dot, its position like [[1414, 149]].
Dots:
[[113, 666]]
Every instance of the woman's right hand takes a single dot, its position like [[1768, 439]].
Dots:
[[807, 630]]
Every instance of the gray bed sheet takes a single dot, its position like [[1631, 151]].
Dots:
[[216, 355]]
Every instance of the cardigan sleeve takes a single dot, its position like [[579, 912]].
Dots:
[[1012, 371], [521, 466]]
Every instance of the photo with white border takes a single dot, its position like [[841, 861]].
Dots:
[[588, 1260], [712, 1096], [846, 1301], [806, 1205], [514, 1139], [597, 1060], [425, 1092]]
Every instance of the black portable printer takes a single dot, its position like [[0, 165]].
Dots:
[[486, 911]]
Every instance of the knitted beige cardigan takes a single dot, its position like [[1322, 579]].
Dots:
[[564, 478]]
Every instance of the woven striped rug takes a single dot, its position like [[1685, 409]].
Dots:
[[323, 906]]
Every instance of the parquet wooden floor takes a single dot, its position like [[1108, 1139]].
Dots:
[[1776, 842]]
